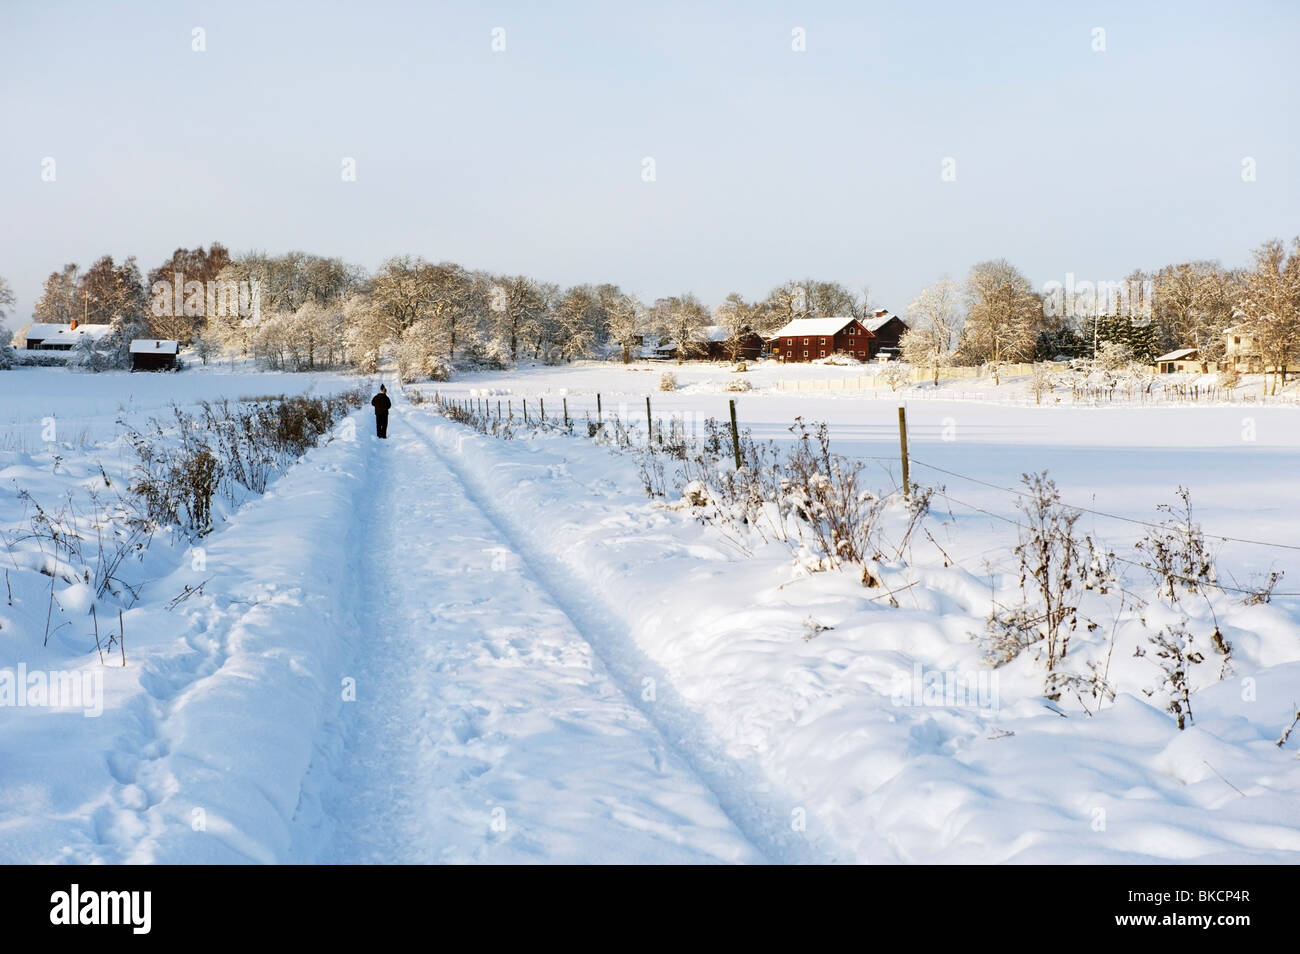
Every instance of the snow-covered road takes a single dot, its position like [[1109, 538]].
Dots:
[[485, 728]]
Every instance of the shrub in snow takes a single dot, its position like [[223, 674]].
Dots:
[[823, 491], [838, 359], [695, 494], [1175, 653], [1176, 554], [736, 385], [668, 381], [895, 374], [224, 448], [1046, 610]]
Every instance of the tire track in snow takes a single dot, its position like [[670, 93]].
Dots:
[[743, 791], [479, 701]]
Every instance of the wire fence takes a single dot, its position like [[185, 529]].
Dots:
[[654, 432]]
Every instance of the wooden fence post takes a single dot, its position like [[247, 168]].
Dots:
[[735, 434], [902, 443], [566, 412], [649, 423], [599, 422]]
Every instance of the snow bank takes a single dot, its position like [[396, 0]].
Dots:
[[812, 680], [207, 732]]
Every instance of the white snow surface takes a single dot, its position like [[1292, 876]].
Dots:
[[448, 648]]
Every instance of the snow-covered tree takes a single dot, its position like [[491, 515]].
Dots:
[[682, 319], [809, 299], [739, 318], [579, 320], [59, 302], [935, 320], [1003, 314], [1270, 306], [7, 301], [626, 322]]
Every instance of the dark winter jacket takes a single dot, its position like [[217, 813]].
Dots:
[[381, 404]]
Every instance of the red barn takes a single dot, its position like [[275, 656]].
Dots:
[[807, 339], [888, 329]]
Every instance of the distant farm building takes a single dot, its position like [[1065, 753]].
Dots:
[[1239, 351], [715, 344], [1184, 359], [887, 329], [807, 339], [153, 354], [43, 336]]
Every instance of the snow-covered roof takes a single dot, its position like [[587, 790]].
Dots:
[[715, 333], [1177, 355], [43, 329], [882, 317], [70, 336], [154, 346], [814, 326]]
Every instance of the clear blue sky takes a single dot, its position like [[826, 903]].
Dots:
[[770, 164]]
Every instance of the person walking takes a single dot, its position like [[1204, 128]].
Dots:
[[381, 403]]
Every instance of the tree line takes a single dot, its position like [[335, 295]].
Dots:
[[298, 311]]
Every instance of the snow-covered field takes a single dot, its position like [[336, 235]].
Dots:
[[449, 647]]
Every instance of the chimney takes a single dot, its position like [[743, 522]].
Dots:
[[74, 325], [158, 343]]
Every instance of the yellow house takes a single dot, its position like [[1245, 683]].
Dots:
[[1240, 353], [1184, 359]]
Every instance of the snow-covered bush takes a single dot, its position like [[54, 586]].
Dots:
[[895, 374], [225, 447], [1176, 554], [1174, 649], [737, 384], [1045, 610], [668, 381]]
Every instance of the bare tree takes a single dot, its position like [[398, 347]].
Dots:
[[1193, 303], [809, 298], [1002, 316], [739, 318], [59, 302], [1271, 306], [516, 304], [680, 318]]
